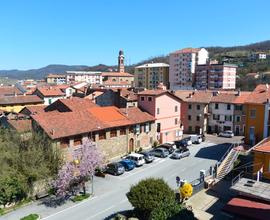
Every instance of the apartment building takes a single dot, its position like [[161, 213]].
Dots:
[[56, 79], [116, 131], [194, 110], [221, 109], [165, 107], [150, 75], [215, 76], [182, 67], [91, 77]]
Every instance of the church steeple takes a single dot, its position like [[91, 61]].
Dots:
[[121, 59]]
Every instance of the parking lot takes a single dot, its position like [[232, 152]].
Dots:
[[110, 192]]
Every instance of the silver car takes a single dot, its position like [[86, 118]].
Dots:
[[178, 154], [160, 152]]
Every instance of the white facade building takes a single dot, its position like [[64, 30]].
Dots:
[[90, 77], [182, 67]]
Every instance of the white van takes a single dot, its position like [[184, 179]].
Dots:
[[196, 139], [138, 159]]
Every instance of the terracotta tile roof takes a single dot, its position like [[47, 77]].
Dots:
[[73, 123], [247, 208], [9, 91], [77, 104], [136, 115], [187, 50], [155, 92], [21, 126], [260, 95], [28, 99], [263, 146], [35, 109], [242, 98], [194, 96], [223, 98], [118, 74], [128, 95], [50, 91]]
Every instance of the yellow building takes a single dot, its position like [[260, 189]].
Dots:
[[257, 115], [261, 159], [150, 75], [17, 103]]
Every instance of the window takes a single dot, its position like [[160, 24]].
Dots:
[[215, 117], [113, 133], [198, 107], [237, 118], [228, 118], [189, 106], [176, 108], [253, 113], [142, 98], [146, 127], [102, 135], [131, 130], [149, 99], [158, 111], [239, 107], [190, 128], [50, 101], [158, 127], [123, 131], [198, 118], [216, 105], [228, 107], [77, 140], [64, 143], [189, 117], [137, 129], [175, 121]]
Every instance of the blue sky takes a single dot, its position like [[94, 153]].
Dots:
[[35, 33]]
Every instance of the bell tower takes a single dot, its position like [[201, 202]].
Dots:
[[121, 59]]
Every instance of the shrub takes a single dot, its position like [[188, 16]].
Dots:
[[149, 194], [165, 210], [79, 198], [31, 217], [183, 214], [1, 211]]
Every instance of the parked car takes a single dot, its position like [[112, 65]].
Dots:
[[196, 138], [138, 159], [181, 143], [228, 134], [169, 146], [148, 156], [128, 164], [115, 168], [178, 154], [160, 152]]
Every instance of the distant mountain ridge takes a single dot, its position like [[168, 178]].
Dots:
[[42, 72]]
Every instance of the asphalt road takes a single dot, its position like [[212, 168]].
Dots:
[[110, 192]]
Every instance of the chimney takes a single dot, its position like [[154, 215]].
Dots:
[[52, 132]]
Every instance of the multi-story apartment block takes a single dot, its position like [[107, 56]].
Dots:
[[150, 75], [166, 109], [215, 76], [90, 77], [182, 67], [56, 79], [194, 110]]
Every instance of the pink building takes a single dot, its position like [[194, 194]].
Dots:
[[215, 76], [166, 108]]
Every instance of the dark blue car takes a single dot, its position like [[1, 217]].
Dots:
[[128, 164]]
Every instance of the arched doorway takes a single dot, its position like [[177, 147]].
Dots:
[[131, 145]]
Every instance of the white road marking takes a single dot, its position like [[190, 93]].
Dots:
[[71, 207], [99, 213]]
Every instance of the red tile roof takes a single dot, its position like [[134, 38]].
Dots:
[[50, 91], [248, 209], [85, 120], [260, 95], [9, 91], [34, 109], [223, 98], [77, 104], [28, 99], [242, 98], [155, 92], [263, 146], [117, 74], [194, 96], [129, 95], [23, 125]]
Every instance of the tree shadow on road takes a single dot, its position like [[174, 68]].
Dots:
[[214, 152], [53, 201]]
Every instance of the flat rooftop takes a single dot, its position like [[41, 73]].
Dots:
[[252, 189]]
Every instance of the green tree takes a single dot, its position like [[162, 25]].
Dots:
[[149, 194]]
